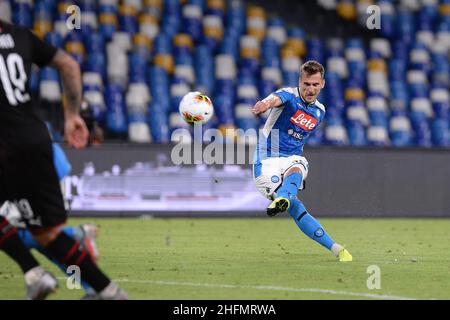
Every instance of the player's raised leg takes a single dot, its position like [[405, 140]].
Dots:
[[313, 229], [85, 234], [68, 251], [307, 223]]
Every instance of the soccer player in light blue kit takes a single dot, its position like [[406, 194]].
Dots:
[[279, 169]]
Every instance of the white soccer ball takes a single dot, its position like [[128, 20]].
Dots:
[[196, 107]]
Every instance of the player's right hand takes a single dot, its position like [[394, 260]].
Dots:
[[260, 107], [76, 131]]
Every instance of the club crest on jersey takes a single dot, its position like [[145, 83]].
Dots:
[[319, 232], [275, 179], [304, 120]]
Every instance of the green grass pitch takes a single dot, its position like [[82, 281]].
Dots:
[[261, 259]]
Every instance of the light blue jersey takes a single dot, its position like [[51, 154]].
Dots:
[[289, 126]]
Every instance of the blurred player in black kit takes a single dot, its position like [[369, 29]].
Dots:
[[27, 174]]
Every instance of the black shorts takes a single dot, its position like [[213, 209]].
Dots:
[[28, 178]]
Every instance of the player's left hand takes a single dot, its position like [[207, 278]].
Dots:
[[76, 131], [260, 107]]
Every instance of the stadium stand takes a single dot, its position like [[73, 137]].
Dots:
[[386, 87]]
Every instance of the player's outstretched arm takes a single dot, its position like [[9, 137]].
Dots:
[[272, 101], [74, 127], [70, 73]]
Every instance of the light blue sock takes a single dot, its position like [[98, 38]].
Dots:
[[290, 186], [310, 226]]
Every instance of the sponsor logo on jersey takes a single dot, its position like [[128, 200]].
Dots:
[[6, 41], [304, 120], [294, 134]]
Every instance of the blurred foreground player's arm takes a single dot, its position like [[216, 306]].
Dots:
[[74, 127]]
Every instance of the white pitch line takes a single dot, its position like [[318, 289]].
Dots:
[[265, 288], [269, 288]]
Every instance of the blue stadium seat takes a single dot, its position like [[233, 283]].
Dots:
[[94, 42], [276, 30], [377, 136], [441, 132], [336, 134], [171, 21], [356, 134], [223, 108], [158, 81], [204, 69], [159, 123], [22, 14], [54, 39], [178, 89], [192, 21], [127, 19], [116, 118], [49, 85], [400, 131], [387, 22]]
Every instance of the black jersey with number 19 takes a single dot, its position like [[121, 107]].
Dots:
[[27, 174], [19, 49]]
